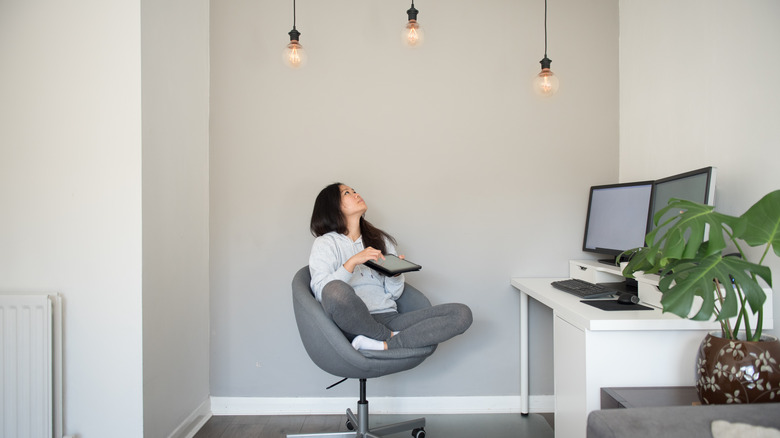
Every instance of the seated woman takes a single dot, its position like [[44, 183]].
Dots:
[[360, 300]]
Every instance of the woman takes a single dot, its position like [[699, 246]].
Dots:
[[360, 300]]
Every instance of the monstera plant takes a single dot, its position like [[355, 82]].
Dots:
[[691, 252], [699, 252]]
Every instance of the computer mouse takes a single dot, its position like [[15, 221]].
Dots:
[[627, 298]]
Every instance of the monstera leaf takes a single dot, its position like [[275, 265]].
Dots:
[[760, 225], [688, 279], [681, 237]]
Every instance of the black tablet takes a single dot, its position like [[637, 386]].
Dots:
[[392, 265]]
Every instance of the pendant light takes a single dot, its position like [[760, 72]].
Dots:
[[412, 34], [294, 55], [545, 83]]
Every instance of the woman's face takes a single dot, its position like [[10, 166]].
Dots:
[[351, 203]]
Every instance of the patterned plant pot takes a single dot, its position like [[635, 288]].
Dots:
[[735, 371]]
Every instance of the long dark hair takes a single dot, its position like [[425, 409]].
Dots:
[[327, 217]]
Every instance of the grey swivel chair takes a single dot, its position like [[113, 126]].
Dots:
[[330, 350]]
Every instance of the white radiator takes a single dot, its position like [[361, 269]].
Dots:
[[30, 366]]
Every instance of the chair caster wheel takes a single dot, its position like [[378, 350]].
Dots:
[[418, 433], [350, 426]]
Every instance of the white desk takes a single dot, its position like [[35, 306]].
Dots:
[[595, 348]]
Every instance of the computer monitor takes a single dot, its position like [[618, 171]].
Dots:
[[617, 217], [696, 185]]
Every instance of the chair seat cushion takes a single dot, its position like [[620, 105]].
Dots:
[[399, 353]]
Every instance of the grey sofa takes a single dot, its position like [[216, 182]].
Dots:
[[677, 421]]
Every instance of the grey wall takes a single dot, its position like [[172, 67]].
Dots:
[[175, 95], [477, 178]]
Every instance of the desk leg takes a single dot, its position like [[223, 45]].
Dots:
[[523, 353]]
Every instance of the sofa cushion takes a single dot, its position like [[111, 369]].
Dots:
[[724, 429]]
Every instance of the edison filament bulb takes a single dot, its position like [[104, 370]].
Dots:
[[294, 55], [546, 83], [413, 35]]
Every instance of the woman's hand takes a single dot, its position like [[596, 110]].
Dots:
[[362, 257]]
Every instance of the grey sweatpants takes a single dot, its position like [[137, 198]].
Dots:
[[418, 328]]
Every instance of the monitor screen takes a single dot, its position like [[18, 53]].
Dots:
[[617, 217], [696, 185]]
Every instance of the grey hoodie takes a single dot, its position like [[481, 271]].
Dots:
[[326, 263]]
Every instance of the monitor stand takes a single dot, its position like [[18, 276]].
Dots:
[[611, 262], [629, 285]]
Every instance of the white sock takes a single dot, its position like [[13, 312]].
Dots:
[[363, 343]]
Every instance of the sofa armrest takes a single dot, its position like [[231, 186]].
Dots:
[[677, 421]]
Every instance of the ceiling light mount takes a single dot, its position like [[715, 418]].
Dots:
[[294, 34], [412, 12]]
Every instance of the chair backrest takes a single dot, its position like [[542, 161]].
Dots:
[[330, 350]]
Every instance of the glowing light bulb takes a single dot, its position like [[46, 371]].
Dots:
[[546, 83], [413, 35], [294, 55]]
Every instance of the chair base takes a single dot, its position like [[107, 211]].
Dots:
[[360, 424], [416, 426]]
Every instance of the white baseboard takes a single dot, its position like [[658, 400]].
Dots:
[[379, 405], [192, 424]]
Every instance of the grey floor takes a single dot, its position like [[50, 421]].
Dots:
[[437, 426]]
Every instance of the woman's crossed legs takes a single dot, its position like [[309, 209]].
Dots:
[[419, 328]]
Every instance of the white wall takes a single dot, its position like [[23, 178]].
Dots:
[[70, 190], [477, 178], [698, 87], [111, 215], [175, 60]]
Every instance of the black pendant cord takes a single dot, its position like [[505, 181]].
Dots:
[[545, 28], [544, 13], [294, 34]]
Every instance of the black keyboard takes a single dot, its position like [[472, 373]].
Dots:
[[583, 289]]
